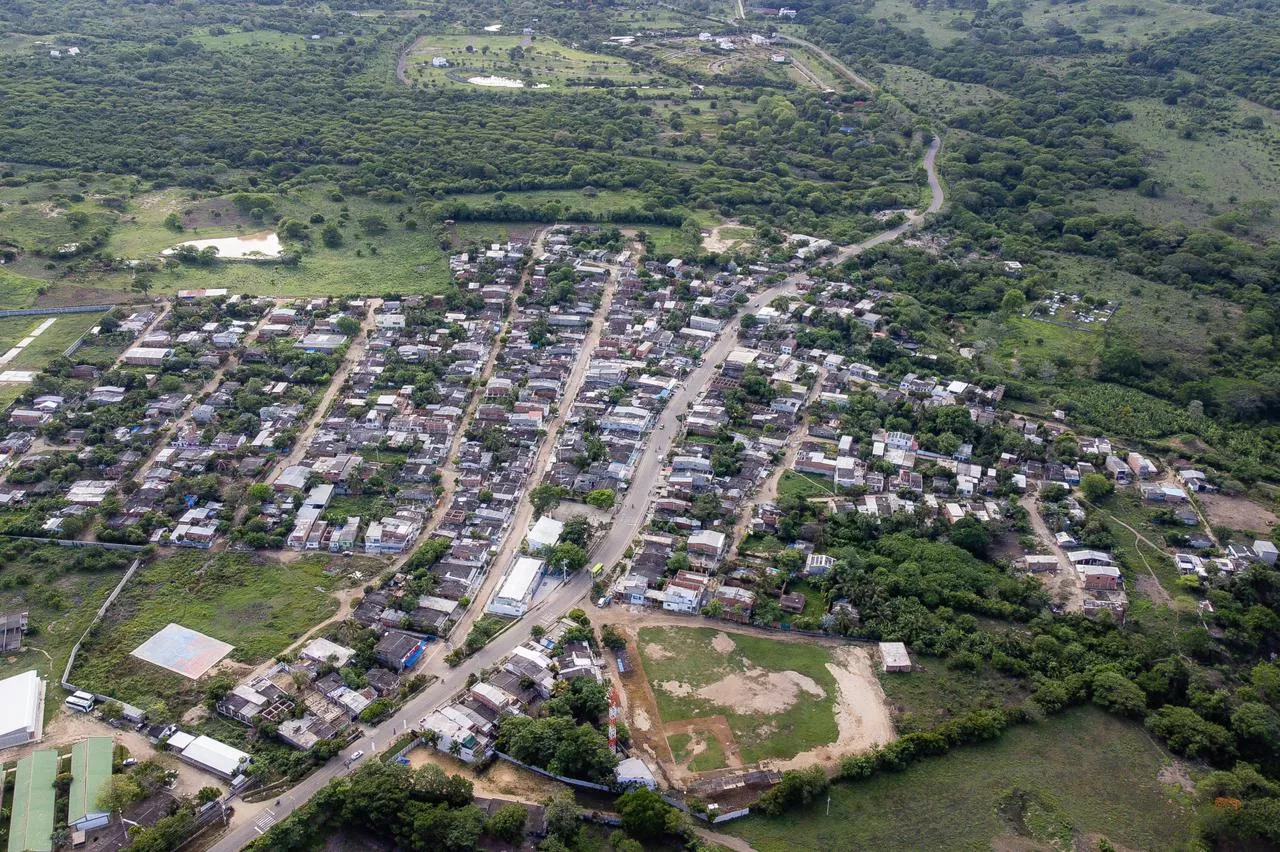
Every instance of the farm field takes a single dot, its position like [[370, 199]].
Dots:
[[537, 61], [60, 589], [1083, 774], [758, 699], [257, 604]]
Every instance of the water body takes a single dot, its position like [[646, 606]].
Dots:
[[262, 245]]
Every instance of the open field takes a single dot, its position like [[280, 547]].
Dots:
[[702, 57], [1238, 513], [793, 484], [1083, 774], [60, 589], [932, 693], [760, 699], [940, 26], [934, 96], [1116, 24], [400, 259], [52, 342], [258, 605], [536, 60], [1208, 165]]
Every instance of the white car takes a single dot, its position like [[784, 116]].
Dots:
[[355, 755]]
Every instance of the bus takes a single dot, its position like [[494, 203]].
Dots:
[[595, 571]]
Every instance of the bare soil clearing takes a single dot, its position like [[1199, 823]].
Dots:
[[1239, 513]]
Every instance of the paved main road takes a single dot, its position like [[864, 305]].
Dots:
[[626, 523]]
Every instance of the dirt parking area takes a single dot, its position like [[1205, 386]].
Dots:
[[1239, 513]]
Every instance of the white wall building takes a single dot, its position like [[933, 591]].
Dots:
[[513, 597]]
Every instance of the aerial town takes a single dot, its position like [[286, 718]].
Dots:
[[674, 425]]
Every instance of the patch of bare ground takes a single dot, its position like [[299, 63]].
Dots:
[[1239, 513], [500, 779], [1177, 774], [657, 652], [722, 644], [62, 295], [862, 711]]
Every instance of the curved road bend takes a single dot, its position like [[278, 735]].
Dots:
[[626, 523]]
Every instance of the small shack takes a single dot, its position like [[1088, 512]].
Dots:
[[894, 657]]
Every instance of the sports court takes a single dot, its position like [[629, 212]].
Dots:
[[182, 651]]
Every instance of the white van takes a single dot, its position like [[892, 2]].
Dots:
[[81, 702]]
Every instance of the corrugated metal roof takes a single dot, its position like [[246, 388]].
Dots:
[[90, 774], [31, 823]]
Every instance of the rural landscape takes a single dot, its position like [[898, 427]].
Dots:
[[636, 425]]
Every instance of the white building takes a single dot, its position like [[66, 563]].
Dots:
[[544, 534], [21, 709], [513, 597], [209, 754]]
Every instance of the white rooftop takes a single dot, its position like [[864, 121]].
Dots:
[[20, 704]]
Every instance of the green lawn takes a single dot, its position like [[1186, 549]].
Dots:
[[258, 605], [680, 744], [930, 23], [1084, 773], [679, 661], [793, 484], [60, 589], [66, 329], [1117, 23]]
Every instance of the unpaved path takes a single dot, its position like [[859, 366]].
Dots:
[[1065, 585]]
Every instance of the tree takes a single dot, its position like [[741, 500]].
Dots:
[[331, 236], [971, 534], [544, 498], [612, 639], [1189, 734], [207, 794], [121, 792], [350, 326], [507, 823], [577, 530], [601, 498], [1096, 487], [259, 492], [645, 815], [562, 814], [1115, 692], [1014, 301], [567, 557]]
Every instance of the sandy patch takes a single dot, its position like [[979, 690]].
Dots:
[[760, 691], [676, 688], [1239, 513], [640, 720], [723, 644], [656, 652], [501, 779], [862, 712]]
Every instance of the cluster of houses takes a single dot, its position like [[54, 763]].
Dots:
[[321, 692], [467, 725]]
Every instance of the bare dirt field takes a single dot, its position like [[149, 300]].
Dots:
[[500, 780], [1239, 513]]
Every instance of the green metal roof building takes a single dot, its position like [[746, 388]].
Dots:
[[31, 825], [90, 774]]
